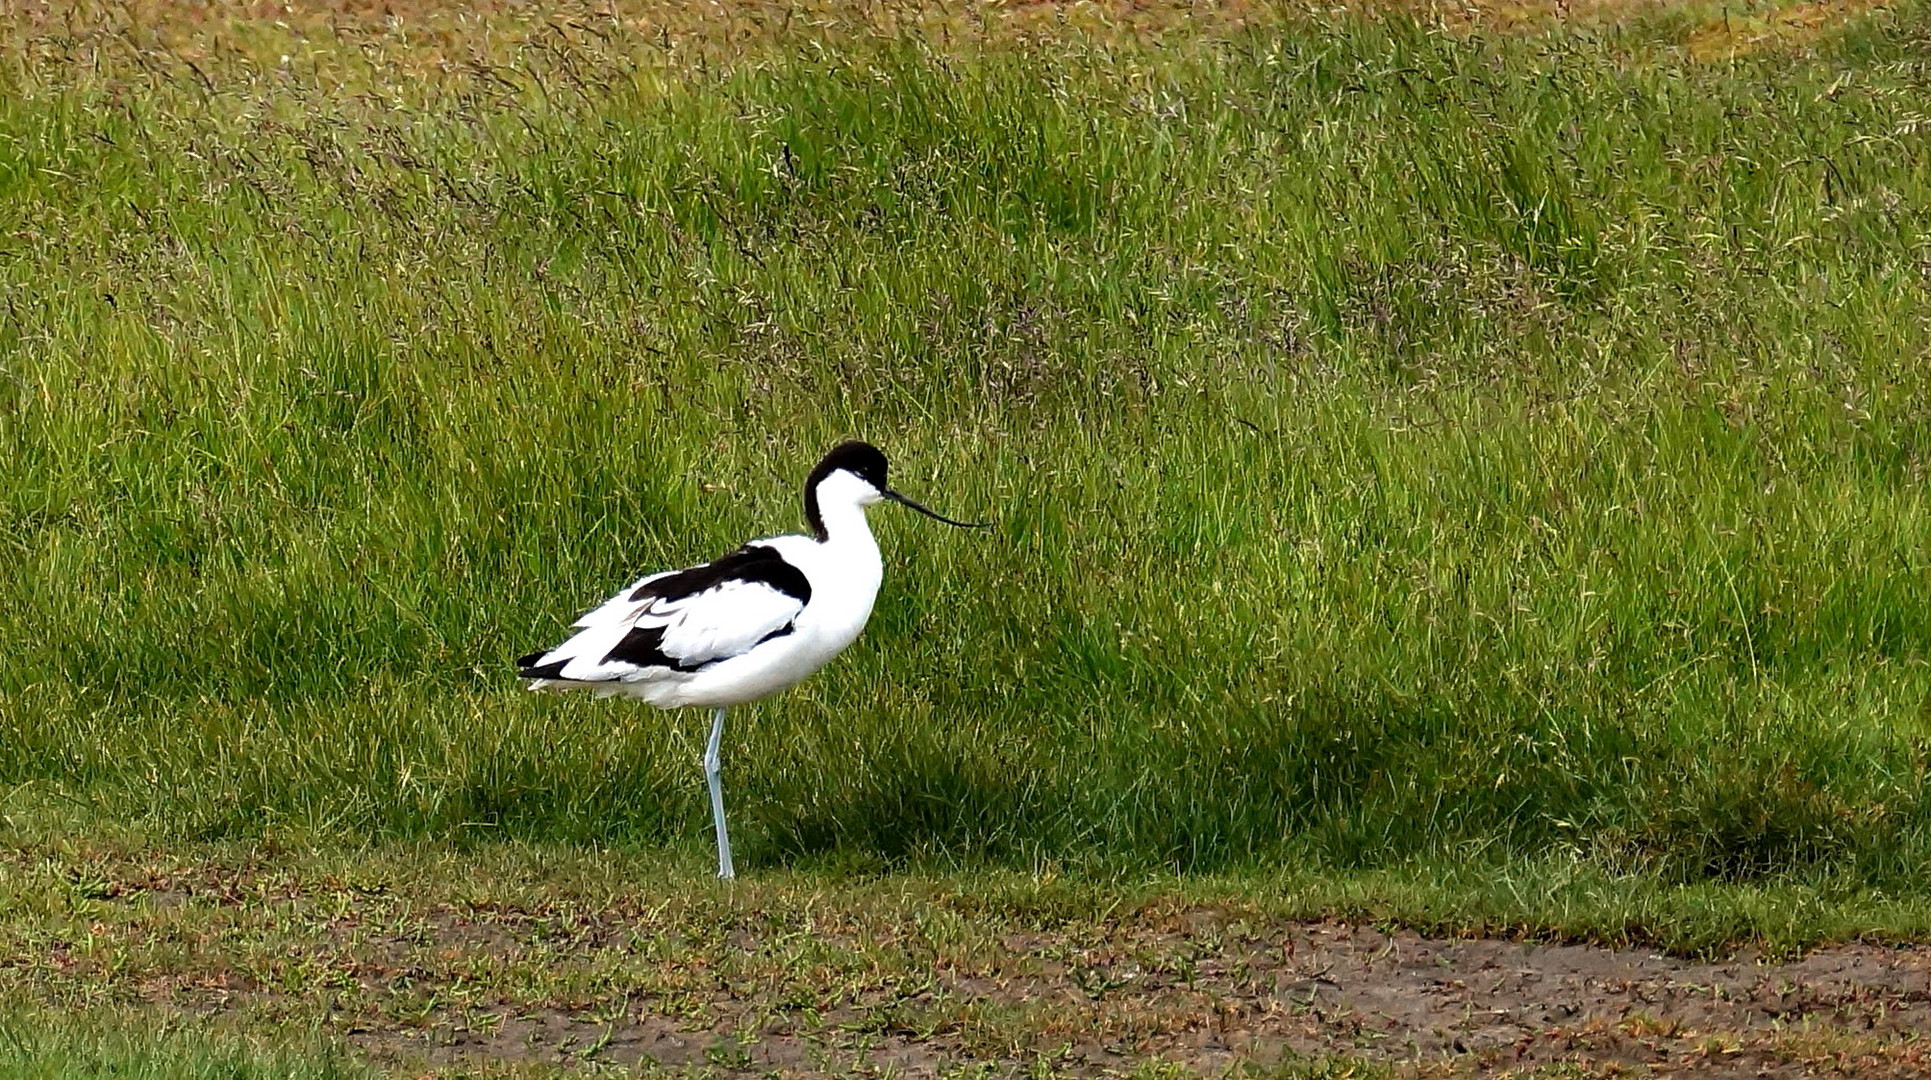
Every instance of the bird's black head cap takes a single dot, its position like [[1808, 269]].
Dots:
[[861, 459]]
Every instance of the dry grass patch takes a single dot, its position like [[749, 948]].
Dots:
[[1793, 26], [364, 44], [564, 960]]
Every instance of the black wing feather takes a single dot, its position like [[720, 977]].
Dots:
[[752, 562]]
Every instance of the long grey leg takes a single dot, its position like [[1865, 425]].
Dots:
[[724, 869]]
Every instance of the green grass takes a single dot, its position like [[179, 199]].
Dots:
[[1407, 448], [38, 1044]]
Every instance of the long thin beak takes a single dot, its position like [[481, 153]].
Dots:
[[903, 501]]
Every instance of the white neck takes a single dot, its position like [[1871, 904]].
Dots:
[[848, 556], [841, 499], [844, 569], [845, 525]]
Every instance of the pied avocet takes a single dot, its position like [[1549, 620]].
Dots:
[[755, 622]]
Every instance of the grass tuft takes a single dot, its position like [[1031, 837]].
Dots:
[[89, 1044]]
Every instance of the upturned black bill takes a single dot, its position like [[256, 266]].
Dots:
[[903, 501]]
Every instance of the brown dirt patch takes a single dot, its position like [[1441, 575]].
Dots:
[[451, 962], [1216, 998]]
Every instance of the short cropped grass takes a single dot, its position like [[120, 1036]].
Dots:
[[544, 961], [1405, 445], [95, 1044]]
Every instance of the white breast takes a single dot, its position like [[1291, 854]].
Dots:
[[844, 584]]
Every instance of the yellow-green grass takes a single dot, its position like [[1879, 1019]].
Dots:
[[38, 1044], [1409, 448]]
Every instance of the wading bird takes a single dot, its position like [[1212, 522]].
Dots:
[[755, 622]]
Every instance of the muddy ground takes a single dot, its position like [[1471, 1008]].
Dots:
[[447, 963], [1263, 995]]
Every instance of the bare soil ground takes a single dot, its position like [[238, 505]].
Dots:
[[450, 963], [1268, 993]]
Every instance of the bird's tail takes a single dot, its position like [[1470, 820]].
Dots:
[[531, 666]]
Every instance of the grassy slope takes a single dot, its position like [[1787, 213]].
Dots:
[[1406, 448]]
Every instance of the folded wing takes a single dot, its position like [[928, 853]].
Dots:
[[672, 624]]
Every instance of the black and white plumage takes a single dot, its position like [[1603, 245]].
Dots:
[[754, 622], [655, 638]]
